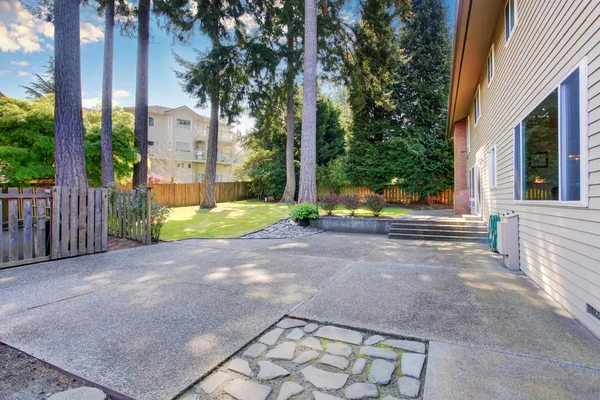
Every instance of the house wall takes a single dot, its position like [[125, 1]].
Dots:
[[559, 245]]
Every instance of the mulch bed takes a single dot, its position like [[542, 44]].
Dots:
[[120, 243], [25, 377], [417, 206]]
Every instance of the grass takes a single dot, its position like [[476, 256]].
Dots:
[[228, 220], [388, 212]]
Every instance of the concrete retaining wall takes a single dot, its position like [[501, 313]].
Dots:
[[353, 225]]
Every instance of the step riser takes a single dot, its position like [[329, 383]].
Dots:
[[445, 228], [442, 223], [435, 238], [417, 232]]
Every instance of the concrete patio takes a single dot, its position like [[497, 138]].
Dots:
[[148, 322]]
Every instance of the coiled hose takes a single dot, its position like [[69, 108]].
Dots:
[[493, 232]]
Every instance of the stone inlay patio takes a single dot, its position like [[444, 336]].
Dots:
[[302, 360]]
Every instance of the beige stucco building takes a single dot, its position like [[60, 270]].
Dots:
[[177, 140], [524, 111]]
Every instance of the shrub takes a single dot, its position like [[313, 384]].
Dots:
[[375, 203], [331, 177], [351, 202], [330, 202], [304, 210], [158, 211]]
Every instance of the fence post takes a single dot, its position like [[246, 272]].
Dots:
[[149, 216]]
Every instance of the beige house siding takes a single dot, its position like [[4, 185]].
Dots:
[[560, 245]]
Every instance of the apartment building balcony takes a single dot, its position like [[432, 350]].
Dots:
[[222, 158], [202, 136]]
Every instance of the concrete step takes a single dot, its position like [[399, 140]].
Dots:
[[403, 236], [445, 228], [469, 217], [445, 222], [435, 232]]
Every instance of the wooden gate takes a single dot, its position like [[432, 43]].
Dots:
[[50, 224]]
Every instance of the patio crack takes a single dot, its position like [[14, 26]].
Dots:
[[72, 297]]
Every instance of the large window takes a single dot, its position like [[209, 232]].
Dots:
[[150, 121], [491, 68], [477, 105], [510, 18], [182, 146], [183, 123], [549, 145]]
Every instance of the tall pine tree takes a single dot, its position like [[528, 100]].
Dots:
[[373, 70], [422, 157]]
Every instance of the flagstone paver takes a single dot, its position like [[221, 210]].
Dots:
[[339, 349], [289, 389], [361, 391], [374, 340], [81, 393], [408, 386], [381, 372], [341, 334], [412, 364], [325, 363], [379, 352], [408, 345]]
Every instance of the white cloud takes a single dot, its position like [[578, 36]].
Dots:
[[23, 73], [22, 32], [91, 103], [20, 63], [96, 102], [120, 94], [90, 33], [4, 71]]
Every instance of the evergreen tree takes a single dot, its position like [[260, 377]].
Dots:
[[422, 157], [372, 70]]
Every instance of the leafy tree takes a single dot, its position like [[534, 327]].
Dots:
[[43, 84], [27, 142], [423, 158], [372, 70]]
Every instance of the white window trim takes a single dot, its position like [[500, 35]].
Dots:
[[468, 134], [478, 98], [494, 148], [493, 56], [170, 122], [583, 143], [507, 41]]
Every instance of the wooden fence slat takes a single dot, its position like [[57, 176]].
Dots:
[[13, 228], [64, 221], [104, 242], [91, 204], [83, 217], [40, 237], [98, 221], [27, 226], [55, 222], [74, 221]]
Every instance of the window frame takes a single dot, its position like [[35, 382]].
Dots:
[[170, 122], [583, 202], [477, 106], [151, 121], [177, 123], [468, 134], [509, 35], [491, 55], [493, 169]]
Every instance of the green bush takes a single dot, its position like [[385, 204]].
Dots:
[[304, 210], [158, 211], [331, 177], [329, 203], [351, 202], [375, 203]]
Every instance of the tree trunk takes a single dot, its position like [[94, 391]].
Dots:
[[290, 184], [108, 172], [140, 170], [69, 158], [210, 173], [308, 150]]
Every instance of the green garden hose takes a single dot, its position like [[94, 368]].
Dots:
[[493, 232]]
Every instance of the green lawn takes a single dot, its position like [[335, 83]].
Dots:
[[228, 220], [388, 212], [238, 218]]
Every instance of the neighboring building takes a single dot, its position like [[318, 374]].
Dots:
[[524, 111], [179, 135]]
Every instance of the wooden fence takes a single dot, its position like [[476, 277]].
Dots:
[[129, 216], [51, 224], [191, 194], [394, 194]]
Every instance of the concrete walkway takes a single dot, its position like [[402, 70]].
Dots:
[[148, 322]]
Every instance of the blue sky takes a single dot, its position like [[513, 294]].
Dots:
[[27, 43]]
